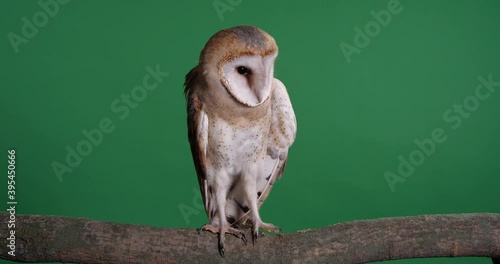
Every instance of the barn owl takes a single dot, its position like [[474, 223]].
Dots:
[[240, 127]]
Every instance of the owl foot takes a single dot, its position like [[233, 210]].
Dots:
[[222, 231], [271, 228], [208, 227], [255, 235], [237, 233], [230, 230], [266, 226]]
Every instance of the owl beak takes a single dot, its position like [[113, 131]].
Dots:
[[257, 94], [262, 86]]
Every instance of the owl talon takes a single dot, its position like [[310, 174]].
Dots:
[[199, 230], [237, 233], [221, 248], [222, 231], [280, 232], [255, 235], [243, 237]]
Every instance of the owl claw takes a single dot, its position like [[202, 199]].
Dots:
[[255, 235], [228, 230], [221, 248], [243, 237], [237, 233], [280, 232]]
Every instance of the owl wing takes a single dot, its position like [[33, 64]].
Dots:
[[197, 121], [282, 134]]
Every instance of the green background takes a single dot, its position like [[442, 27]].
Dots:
[[354, 119]]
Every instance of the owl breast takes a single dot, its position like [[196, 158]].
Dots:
[[235, 144]]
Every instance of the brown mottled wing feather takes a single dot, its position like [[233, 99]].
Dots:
[[197, 122]]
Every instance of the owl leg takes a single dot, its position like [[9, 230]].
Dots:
[[220, 224], [255, 220]]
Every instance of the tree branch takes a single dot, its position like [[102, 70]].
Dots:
[[66, 239]]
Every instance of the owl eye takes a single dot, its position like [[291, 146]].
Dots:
[[243, 70]]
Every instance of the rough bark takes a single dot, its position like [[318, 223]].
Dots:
[[65, 239]]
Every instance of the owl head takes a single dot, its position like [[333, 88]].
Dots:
[[241, 61]]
